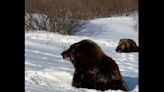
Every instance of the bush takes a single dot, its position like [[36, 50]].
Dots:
[[66, 14]]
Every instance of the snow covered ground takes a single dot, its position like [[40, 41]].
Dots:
[[47, 71]]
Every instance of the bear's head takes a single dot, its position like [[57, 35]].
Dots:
[[83, 53]]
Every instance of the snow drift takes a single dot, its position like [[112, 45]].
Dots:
[[46, 71]]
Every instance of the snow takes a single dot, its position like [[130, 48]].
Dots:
[[47, 71]]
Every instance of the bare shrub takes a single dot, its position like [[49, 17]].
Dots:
[[66, 14]]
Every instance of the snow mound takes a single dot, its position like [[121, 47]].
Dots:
[[47, 71]]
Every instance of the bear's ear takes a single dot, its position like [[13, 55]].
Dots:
[[121, 40], [83, 42]]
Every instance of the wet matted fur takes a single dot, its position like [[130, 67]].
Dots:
[[93, 68]]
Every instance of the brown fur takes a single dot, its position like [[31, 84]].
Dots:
[[93, 69], [127, 45]]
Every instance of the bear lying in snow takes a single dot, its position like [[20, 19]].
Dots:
[[127, 45], [93, 68]]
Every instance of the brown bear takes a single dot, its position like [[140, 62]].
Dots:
[[93, 68], [127, 45]]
